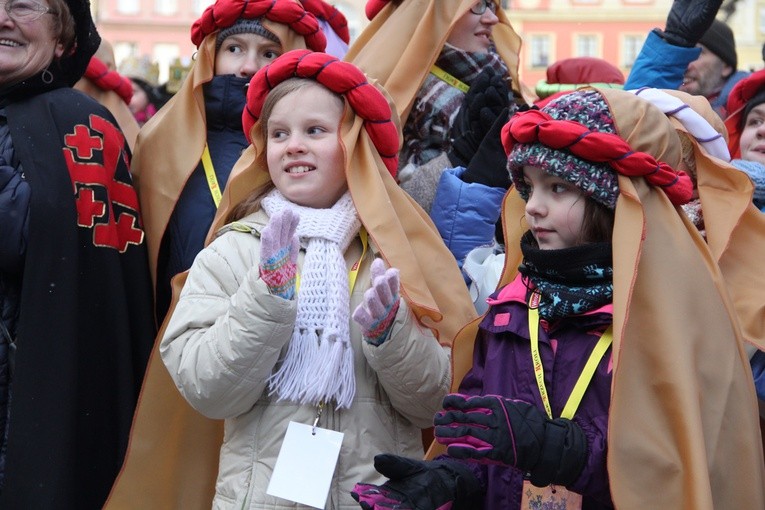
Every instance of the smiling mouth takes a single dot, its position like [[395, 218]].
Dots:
[[299, 169], [8, 42]]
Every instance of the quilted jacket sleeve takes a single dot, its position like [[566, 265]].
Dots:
[[412, 367], [227, 331], [14, 207]]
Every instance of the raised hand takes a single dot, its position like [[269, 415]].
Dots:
[[495, 430], [376, 313], [688, 20], [489, 94], [278, 253]]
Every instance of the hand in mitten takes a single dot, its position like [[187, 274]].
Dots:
[[488, 95], [375, 315], [419, 485], [278, 253], [489, 165], [496, 430], [688, 20]]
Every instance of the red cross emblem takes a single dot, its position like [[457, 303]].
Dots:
[[89, 176]]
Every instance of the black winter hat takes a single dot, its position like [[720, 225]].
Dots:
[[719, 40]]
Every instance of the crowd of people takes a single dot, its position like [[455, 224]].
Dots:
[[381, 273]]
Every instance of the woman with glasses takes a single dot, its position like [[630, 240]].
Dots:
[[76, 323], [427, 54]]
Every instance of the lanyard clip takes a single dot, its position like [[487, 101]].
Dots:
[[319, 409]]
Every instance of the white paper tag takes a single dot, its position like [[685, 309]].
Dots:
[[306, 462]]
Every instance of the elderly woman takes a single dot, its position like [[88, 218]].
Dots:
[[180, 173], [75, 296]]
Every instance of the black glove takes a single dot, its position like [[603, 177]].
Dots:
[[419, 485], [489, 94], [688, 20], [492, 429], [489, 165]]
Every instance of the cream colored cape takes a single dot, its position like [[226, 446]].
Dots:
[[401, 43], [172, 459], [170, 145], [683, 423], [114, 103]]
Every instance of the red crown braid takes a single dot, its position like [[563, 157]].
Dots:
[[331, 15], [105, 79], [536, 126], [373, 8], [340, 77], [224, 13]]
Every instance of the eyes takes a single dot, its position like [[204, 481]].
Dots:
[[278, 134], [754, 121], [237, 48], [555, 187]]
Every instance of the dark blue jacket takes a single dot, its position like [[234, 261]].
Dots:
[[195, 210], [14, 229]]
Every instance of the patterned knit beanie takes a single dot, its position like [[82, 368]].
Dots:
[[596, 180], [245, 26]]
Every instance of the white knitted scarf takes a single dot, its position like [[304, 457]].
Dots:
[[318, 366]]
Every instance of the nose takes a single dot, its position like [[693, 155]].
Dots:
[[5, 18], [489, 18], [295, 144], [535, 205], [250, 65]]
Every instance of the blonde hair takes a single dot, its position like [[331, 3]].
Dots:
[[252, 203]]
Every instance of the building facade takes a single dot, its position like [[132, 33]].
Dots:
[[551, 29]]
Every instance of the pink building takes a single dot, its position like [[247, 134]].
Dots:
[[551, 29]]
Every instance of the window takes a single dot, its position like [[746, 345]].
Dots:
[[129, 6], [540, 50], [631, 45], [201, 5], [587, 45], [164, 55], [123, 50], [166, 7]]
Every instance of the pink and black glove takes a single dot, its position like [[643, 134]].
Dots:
[[375, 315], [419, 485], [278, 253], [495, 430]]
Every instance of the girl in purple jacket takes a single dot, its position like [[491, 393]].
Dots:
[[528, 427]]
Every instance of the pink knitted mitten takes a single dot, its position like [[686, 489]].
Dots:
[[278, 253], [375, 315]]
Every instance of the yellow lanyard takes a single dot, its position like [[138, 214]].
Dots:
[[212, 180], [448, 78], [354, 272], [584, 378]]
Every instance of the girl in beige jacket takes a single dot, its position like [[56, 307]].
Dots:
[[290, 315]]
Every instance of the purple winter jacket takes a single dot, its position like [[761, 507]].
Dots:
[[502, 366]]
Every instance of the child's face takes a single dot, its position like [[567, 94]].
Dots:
[[244, 54], [752, 142], [305, 158], [471, 32], [554, 210]]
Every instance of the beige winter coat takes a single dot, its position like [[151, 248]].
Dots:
[[227, 334]]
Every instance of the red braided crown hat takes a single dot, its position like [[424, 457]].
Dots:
[[331, 15], [340, 77], [585, 155], [105, 79], [224, 13]]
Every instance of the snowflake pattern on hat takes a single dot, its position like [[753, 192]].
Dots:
[[596, 180]]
